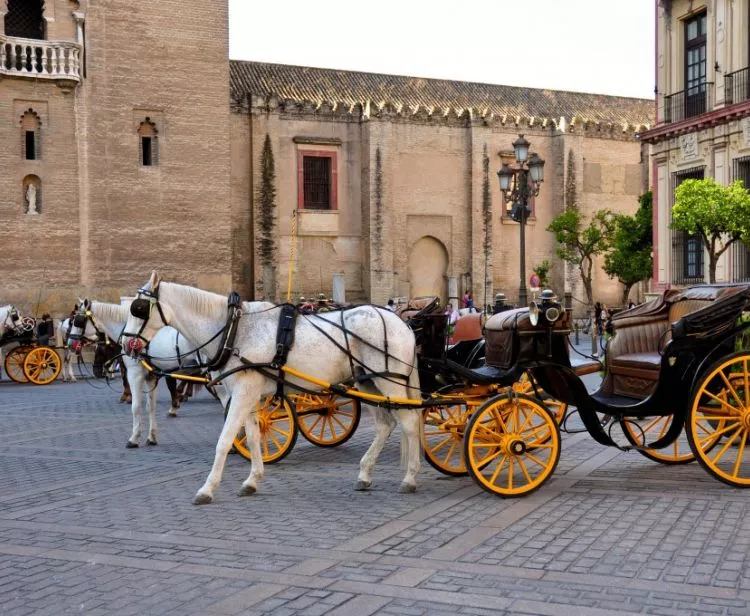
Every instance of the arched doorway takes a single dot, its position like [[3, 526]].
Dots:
[[428, 268]]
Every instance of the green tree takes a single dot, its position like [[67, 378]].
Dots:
[[719, 215], [267, 204], [579, 243], [629, 259], [542, 270]]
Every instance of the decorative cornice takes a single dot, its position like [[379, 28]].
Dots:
[[707, 120]]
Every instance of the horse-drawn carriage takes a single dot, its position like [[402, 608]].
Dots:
[[26, 359]]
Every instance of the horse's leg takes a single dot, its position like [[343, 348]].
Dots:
[[126, 396], [136, 379], [384, 424], [245, 396], [411, 424], [252, 434], [151, 401], [172, 386], [181, 386]]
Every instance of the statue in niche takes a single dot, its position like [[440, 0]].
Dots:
[[31, 200]]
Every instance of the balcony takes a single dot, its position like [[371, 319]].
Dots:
[[737, 86], [689, 103], [56, 60]]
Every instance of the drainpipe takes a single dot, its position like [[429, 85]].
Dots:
[[251, 192]]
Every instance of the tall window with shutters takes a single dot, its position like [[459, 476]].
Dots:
[[148, 143], [317, 175], [31, 142]]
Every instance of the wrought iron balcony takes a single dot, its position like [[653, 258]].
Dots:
[[737, 86], [689, 103], [21, 57]]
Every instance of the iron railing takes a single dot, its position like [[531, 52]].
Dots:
[[739, 252], [687, 250], [737, 86], [689, 103]]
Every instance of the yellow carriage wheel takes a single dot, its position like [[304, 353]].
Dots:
[[14, 363], [42, 365], [719, 415], [278, 431], [557, 408], [512, 445], [641, 430], [327, 420], [444, 428]]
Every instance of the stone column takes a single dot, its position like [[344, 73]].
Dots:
[[453, 290], [339, 288]]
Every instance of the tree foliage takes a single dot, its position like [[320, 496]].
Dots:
[[629, 259], [267, 204], [579, 241], [542, 270], [719, 215]]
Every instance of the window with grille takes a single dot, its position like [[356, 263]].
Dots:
[[740, 259], [317, 179], [687, 250], [25, 19], [695, 65]]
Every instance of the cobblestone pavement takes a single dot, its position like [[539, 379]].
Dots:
[[90, 527]]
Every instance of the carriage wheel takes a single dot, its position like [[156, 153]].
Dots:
[[278, 431], [557, 408], [648, 429], [512, 445], [327, 420], [42, 365], [444, 428], [14, 364], [720, 411]]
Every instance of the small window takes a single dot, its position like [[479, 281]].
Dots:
[[31, 135], [146, 157], [148, 150], [25, 19]]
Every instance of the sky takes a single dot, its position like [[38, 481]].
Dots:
[[600, 46]]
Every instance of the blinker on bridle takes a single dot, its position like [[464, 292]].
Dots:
[[141, 308]]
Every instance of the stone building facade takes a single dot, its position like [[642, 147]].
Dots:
[[134, 143], [93, 86], [702, 128], [405, 163]]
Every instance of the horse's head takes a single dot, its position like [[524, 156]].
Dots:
[[8, 318], [83, 328], [147, 316]]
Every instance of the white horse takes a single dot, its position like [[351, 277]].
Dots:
[[167, 344], [200, 315], [7, 323], [63, 332]]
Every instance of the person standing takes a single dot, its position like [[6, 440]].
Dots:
[[391, 305]]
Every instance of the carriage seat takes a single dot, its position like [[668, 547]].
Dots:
[[633, 354]]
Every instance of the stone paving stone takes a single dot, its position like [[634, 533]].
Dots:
[[670, 540]]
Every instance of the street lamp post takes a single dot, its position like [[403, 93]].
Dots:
[[518, 185]]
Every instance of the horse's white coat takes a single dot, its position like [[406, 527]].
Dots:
[[199, 315], [5, 325], [111, 319]]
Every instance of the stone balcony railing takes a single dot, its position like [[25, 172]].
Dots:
[[20, 57]]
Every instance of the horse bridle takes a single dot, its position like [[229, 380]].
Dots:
[[79, 321], [141, 308]]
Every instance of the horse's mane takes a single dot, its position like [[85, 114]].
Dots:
[[203, 302], [111, 312]]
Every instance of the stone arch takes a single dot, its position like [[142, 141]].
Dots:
[[25, 19], [31, 131], [148, 143], [31, 199], [428, 268]]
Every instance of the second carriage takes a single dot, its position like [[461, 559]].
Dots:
[[28, 360]]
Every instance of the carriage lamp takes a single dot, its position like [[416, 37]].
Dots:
[[518, 185]]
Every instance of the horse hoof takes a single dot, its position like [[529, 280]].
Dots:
[[362, 485], [247, 491], [150, 442], [172, 415], [131, 445], [123, 399], [407, 488], [202, 499]]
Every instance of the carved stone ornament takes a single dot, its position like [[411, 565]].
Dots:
[[689, 146], [746, 131]]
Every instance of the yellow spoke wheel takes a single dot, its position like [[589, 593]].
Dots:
[[557, 408], [512, 445], [42, 365], [278, 431], [719, 414], [14, 363], [442, 438], [327, 420]]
